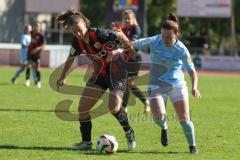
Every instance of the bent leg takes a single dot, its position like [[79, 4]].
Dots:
[[89, 98], [158, 109], [114, 105], [182, 110]]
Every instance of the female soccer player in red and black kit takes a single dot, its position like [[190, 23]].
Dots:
[[101, 47], [132, 30], [34, 50]]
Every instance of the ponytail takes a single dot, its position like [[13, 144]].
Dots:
[[171, 23], [70, 17]]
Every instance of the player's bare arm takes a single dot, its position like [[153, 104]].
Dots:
[[125, 44], [194, 81], [66, 68]]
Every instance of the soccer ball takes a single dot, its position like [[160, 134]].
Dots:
[[107, 144]]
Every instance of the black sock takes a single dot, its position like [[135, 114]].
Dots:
[[125, 99], [86, 129], [38, 76], [138, 93], [122, 119], [27, 73]]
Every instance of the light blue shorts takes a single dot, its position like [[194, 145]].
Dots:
[[176, 93], [24, 56]]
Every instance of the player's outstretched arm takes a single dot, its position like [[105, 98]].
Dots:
[[125, 44], [66, 68]]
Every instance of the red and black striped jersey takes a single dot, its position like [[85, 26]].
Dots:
[[132, 33], [37, 39], [101, 42]]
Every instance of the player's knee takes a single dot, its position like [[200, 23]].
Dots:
[[38, 69], [184, 117], [158, 117], [114, 110], [85, 119], [114, 106], [83, 114], [130, 83]]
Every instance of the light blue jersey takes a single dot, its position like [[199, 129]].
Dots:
[[166, 61], [25, 41]]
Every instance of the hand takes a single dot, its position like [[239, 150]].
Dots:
[[34, 51], [196, 93], [114, 55], [60, 83]]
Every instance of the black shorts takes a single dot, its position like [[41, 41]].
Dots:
[[114, 79], [34, 59], [105, 82]]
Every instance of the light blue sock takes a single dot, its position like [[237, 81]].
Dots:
[[188, 129], [19, 71], [162, 122]]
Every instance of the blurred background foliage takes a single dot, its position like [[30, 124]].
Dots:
[[215, 32]]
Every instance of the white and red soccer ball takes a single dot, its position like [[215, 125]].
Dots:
[[107, 144]]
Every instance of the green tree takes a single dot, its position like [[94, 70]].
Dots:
[[157, 12], [95, 10]]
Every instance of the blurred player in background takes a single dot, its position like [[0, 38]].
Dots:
[[34, 50], [109, 72], [132, 30], [25, 41], [172, 54]]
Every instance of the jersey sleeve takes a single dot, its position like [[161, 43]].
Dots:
[[136, 33], [187, 61], [143, 43], [75, 49], [42, 40], [24, 41], [106, 35]]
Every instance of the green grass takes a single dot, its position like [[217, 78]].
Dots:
[[29, 128]]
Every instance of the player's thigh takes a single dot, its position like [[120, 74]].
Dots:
[[180, 100], [89, 98], [115, 101]]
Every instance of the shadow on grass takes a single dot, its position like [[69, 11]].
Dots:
[[29, 110], [89, 152], [44, 148], [5, 84], [95, 152]]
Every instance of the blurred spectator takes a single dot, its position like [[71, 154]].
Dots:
[[205, 50]]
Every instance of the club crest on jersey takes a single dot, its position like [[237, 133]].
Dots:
[[97, 45], [120, 84]]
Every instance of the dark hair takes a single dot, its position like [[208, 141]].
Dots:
[[171, 23], [173, 17], [71, 17]]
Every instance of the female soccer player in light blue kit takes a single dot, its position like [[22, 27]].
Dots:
[[25, 41], [168, 55]]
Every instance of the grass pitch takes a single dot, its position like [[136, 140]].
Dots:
[[30, 129]]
